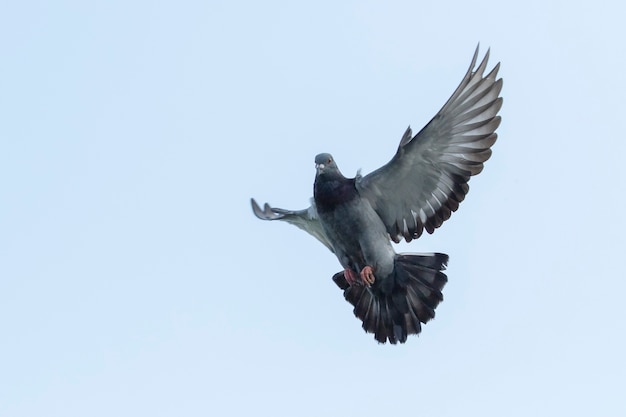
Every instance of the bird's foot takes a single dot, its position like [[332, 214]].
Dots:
[[350, 276], [367, 276]]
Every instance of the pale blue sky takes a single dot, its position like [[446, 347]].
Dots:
[[134, 279]]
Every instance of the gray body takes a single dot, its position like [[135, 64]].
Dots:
[[359, 237]]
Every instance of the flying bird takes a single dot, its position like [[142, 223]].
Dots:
[[358, 218]]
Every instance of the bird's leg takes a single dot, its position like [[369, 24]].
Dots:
[[350, 276], [367, 276]]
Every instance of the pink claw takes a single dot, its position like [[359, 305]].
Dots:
[[350, 276], [367, 276]]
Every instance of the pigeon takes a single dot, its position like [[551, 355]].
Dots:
[[358, 218]]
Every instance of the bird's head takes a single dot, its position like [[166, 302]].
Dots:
[[325, 164]]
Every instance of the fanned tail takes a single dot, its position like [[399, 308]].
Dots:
[[392, 312]]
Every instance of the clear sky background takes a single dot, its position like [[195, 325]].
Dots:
[[135, 281]]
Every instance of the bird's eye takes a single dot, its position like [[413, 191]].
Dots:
[[329, 161]]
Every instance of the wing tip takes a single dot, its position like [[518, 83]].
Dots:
[[474, 58], [256, 209], [267, 213]]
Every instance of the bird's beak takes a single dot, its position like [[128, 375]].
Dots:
[[319, 167]]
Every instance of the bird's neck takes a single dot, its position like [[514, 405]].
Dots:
[[331, 191]]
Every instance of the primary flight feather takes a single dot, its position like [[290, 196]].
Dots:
[[357, 218]]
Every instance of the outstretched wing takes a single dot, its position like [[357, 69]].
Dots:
[[427, 178], [306, 219]]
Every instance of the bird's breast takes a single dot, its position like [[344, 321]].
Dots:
[[329, 194]]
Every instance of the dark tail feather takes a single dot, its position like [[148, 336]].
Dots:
[[399, 310]]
